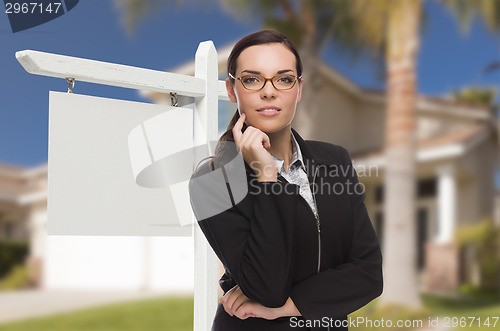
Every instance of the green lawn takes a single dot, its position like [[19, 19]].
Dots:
[[172, 314], [464, 313], [470, 311], [176, 314]]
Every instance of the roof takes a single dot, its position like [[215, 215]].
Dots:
[[20, 185], [441, 100], [452, 143]]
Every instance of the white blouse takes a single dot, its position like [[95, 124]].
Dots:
[[297, 173]]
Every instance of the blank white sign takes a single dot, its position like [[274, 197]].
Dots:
[[98, 150]]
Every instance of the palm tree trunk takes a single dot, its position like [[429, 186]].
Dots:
[[400, 248], [307, 109]]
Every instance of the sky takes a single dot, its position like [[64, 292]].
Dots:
[[170, 37]]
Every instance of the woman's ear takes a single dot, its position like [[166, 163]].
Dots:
[[230, 90]]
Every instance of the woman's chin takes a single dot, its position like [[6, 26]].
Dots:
[[271, 128]]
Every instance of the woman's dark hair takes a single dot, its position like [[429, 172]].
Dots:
[[258, 38]]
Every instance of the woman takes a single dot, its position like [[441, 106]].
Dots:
[[299, 249]]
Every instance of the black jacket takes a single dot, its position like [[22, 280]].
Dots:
[[271, 245]]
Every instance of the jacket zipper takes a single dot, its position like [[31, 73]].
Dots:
[[318, 222], [316, 215]]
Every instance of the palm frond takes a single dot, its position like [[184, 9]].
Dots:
[[467, 10]]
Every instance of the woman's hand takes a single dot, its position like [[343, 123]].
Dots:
[[253, 309], [253, 144], [233, 299], [238, 304]]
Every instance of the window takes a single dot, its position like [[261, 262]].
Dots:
[[426, 188], [422, 220]]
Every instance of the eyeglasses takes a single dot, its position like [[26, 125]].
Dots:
[[257, 82]]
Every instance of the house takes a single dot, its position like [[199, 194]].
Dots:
[[23, 210], [457, 155]]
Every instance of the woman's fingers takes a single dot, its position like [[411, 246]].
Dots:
[[241, 138], [243, 312], [254, 136], [239, 300], [266, 141], [235, 300], [248, 137], [225, 298], [254, 309], [237, 128], [247, 309], [252, 145], [228, 311], [228, 294]]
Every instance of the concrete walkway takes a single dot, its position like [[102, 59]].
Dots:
[[19, 305]]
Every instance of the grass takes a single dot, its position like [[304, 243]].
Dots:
[[176, 314], [170, 313], [457, 312], [468, 309]]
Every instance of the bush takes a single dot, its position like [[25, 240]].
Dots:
[[18, 278], [12, 253], [474, 292], [484, 237]]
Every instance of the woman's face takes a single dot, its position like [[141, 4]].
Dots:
[[266, 60]]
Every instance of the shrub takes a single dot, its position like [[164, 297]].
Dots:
[[12, 253], [484, 237], [18, 278]]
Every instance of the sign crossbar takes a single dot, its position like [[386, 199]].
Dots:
[[106, 73]]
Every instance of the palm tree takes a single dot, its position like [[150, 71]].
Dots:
[[390, 29], [397, 24], [476, 95], [311, 25], [133, 11]]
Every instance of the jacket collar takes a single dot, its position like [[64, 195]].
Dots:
[[312, 155]]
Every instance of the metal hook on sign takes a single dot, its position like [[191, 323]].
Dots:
[[173, 99], [71, 84]]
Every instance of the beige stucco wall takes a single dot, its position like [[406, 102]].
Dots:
[[346, 120], [477, 189], [467, 207], [334, 117]]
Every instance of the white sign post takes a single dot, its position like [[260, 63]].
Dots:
[[205, 275], [122, 168]]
